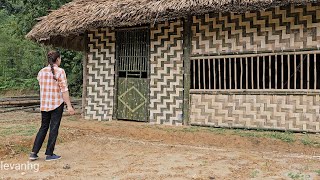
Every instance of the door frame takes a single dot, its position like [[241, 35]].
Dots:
[[116, 74]]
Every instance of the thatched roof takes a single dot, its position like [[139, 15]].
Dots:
[[65, 27]]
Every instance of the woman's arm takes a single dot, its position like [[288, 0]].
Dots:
[[66, 99]]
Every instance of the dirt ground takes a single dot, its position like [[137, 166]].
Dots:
[[135, 150]]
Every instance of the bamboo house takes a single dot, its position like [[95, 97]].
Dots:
[[224, 63]]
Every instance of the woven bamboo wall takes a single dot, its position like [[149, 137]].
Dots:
[[280, 28], [100, 82], [166, 73], [281, 112], [166, 86]]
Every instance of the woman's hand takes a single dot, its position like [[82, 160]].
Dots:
[[71, 110]]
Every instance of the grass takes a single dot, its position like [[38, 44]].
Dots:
[[308, 141], [217, 130], [318, 172], [254, 174], [298, 176], [295, 175], [191, 129], [18, 130], [18, 148], [283, 136], [288, 137]]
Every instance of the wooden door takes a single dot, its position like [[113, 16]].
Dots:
[[133, 66]]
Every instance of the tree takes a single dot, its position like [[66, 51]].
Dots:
[[21, 59]]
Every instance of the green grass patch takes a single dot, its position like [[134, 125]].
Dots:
[[298, 176], [308, 141], [254, 174], [216, 130], [286, 136], [191, 129], [18, 148], [245, 133], [283, 136], [165, 128], [18, 130]]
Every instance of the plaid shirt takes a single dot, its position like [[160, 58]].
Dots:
[[50, 89]]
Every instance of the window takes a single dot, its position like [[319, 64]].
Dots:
[[133, 52], [276, 71]]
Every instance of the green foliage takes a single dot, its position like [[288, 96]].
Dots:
[[72, 64], [18, 84], [21, 59], [33, 9]]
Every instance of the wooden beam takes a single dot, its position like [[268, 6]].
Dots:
[[247, 84], [194, 73], [204, 73], [116, 74], [269, 72], [258, 72], [214, 74], [301, 71], [241, 73], [308, 71], [289, 74], [230, 75], [224, 74], [252, 79], [235, 73], [219, 70], [187, 40], [295, 72], [276, 72], [264, 72], [209, 76], [315, 70], [84, 74], [282, 71], [199, 73]]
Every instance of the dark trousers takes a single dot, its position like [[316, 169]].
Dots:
[[50, 119]]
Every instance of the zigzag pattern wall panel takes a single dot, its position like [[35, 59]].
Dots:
[[166, 85], [280, 28], [100, 84], [282, 112]]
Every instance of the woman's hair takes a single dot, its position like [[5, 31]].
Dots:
[[52, 58]]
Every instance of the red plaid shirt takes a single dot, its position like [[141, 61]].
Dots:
[[50, 89]]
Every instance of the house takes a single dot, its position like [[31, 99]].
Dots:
[[232, 63]]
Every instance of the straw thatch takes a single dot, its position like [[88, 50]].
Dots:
[[66, 26]]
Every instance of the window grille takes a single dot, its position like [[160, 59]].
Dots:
[[270, 71]]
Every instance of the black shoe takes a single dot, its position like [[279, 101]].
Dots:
[[33, 156], [52, 157]]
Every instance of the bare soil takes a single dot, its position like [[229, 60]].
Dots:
[[135, 150]]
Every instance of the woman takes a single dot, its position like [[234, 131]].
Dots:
[[53, 93]]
